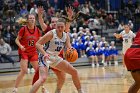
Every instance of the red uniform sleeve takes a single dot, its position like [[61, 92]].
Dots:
[[21, 31]]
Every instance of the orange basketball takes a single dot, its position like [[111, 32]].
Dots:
[[71, 55]]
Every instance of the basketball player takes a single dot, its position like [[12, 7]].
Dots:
[[60, 75], [57, 39], [132, 62], [127, 35], [27, 37]]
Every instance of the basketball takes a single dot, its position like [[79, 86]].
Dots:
[[71, 55]]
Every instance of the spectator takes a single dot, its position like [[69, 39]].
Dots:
[[23, 11], [106, 55], [1, 30], [121, 26], [85, 9], [33, 10], [113, 53], [7, 34], [130, 24], [75, 4], [110, 21], [99, 53], [90, 51], [18, 5], [13, 37], [5, 50], [30, 5]]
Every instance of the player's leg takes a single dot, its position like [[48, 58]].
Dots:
[[36, 76], [34, 62], [42, 78], [68, 68], [136, 85], [23, 71], [61, 76]]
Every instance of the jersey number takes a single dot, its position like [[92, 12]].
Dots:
[[58, 48], [31, 42], [126, 40]]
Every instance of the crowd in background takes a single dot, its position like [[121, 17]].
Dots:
[[86, 29]]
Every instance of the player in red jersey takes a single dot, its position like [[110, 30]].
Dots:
[[46, 28], [27, 37], [132, 62]]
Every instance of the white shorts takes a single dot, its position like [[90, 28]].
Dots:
[[125, 47], [53, 61]]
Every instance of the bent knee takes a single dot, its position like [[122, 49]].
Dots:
[[74, 72], [43, 79]]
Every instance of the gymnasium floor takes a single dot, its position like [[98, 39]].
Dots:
[[94, 80]]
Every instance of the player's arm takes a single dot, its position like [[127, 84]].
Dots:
[[17, 40], [40, 18], [69, 11], [117, 35], [44, 39], [68, 44]]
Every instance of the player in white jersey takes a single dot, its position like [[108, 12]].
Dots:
[[127, 35], [57, 39]]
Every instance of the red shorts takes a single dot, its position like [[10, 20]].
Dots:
[[28, 56], [132, 59], [61, 53]]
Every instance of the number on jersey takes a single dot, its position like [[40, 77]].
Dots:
[[31, 42], [58, 48], [126, 40]]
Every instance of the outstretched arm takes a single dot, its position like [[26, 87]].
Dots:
[[69, 11], [117, 35], [40, 18]]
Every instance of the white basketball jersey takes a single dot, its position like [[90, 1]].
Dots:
[[56, 44], [127, 37]]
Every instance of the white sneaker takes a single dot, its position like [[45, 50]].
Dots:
[[29, 70], [97, 64], [105, 64], [32, 70], [116, 63], [109, 63], [80, 91], [44, 90], [14, 90], [93, 65]]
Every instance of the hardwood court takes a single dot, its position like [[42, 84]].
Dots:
[[94, 80]]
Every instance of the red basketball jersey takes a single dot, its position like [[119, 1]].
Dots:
[[29, 37], [48, 29], [137, 38]]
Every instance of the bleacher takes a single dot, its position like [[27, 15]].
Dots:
[[8, 67]]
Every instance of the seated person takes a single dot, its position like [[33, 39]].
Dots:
[[5, 50]]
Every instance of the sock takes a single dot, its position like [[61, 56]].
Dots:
[[80, 91]]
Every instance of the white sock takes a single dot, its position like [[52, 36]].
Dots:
[[80, 91]]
